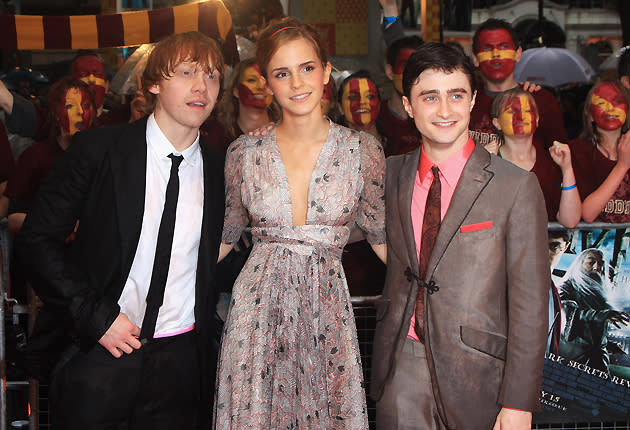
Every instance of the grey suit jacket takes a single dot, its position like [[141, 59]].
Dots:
[[486, 325]]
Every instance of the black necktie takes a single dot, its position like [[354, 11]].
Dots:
[[162, 260], [430, 228]]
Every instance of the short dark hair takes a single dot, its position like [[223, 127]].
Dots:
[[438, 56], [623, 67], [495, 24], [408, 42], [566, 235]]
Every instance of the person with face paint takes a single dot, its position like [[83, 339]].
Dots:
[[359, 99], [399, 131], [330, 107], [90, 69], [602, 154], [131, 306], [71, 110], [290, 355], [28, 119], [515, 115], [360, 102], [495, 52], [244, 106]]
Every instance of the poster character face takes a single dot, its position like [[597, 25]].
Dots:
[[593, 262], [251, 89], [399, 68], [76, 113], [557, 247], [326, 100], [360, 102], [519, 117], [496, 54], [90, 70], [609, 108]]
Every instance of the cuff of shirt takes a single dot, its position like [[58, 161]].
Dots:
[[514, 409]]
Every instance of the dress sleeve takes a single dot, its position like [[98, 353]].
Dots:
[[371, 212], [236, 216]]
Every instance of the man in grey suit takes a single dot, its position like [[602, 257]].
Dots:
[[473, 357]]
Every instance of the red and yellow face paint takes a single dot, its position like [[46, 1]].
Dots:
[[90, 70], [360, 101], [75, 114], [496, 54], [609, 108], [327, 97], [251, 89], [399, 68], [519, 117]]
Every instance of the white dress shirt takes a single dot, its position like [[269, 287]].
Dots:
[[176, 314]]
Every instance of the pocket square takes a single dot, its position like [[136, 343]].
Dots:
[[476, 227]]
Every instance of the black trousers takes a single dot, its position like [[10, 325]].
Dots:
[[154, 387]]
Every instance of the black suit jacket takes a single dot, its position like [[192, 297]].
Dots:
[[100, 182]]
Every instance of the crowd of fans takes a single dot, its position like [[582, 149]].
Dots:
[[585, 178]]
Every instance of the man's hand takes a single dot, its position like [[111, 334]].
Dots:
[[618, 319], [492, 147], [261, 131], [510, 419], [530, 86], [121, 336]]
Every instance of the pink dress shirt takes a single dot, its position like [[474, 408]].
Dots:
[[450, 172]]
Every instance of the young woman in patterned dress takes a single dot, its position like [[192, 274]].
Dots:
[[290, 357]]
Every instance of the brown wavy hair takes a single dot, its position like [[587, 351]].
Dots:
[[278, 33]]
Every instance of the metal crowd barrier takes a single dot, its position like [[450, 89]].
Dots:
[[365, 316]]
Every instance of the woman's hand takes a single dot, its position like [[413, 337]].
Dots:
[[560, 154]]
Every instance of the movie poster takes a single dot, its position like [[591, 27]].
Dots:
[[587, 364]]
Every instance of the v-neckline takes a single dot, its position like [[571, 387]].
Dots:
[[323, 153]]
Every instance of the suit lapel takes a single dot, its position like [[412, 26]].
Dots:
[[406, 182], [473, 180], [129, 161]]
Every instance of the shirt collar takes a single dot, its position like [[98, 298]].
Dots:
[[163, 147], [451, 168]]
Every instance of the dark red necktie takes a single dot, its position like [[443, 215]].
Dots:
[[430, 229]]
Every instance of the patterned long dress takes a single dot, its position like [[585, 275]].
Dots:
[[290, 357]]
